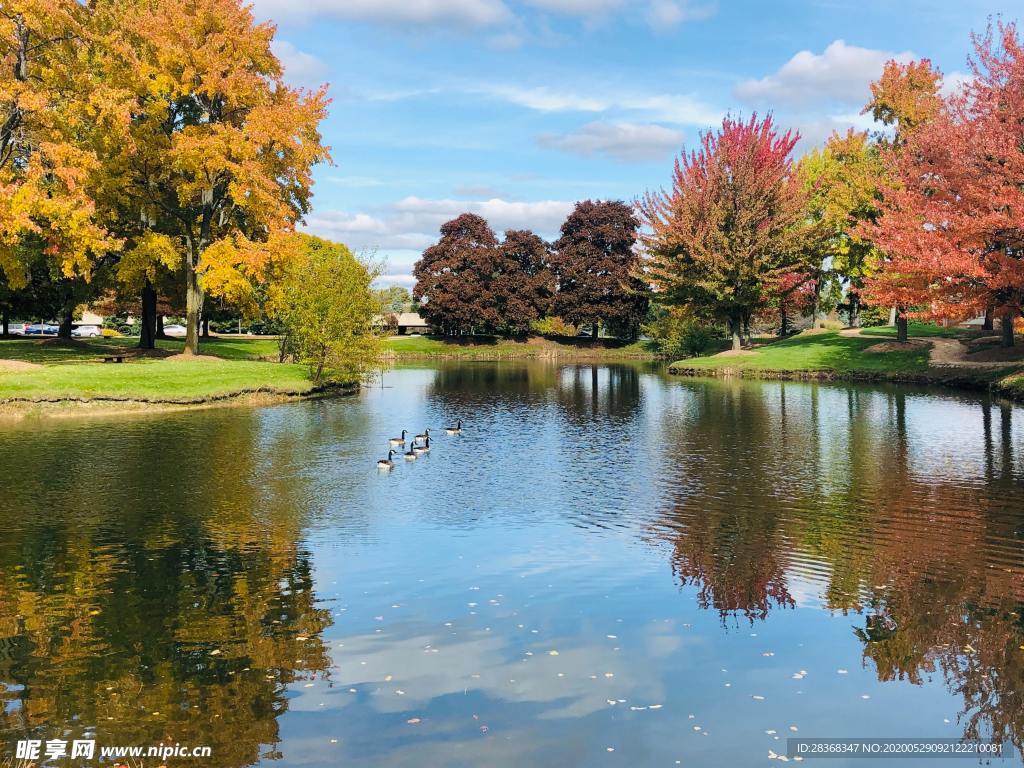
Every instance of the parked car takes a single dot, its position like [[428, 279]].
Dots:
[[41, 329], [175, 330], [87, 331], [17, 329]]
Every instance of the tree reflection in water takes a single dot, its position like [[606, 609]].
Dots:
[[929, 569], [157, 623]]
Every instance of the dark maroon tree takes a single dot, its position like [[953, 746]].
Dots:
[[453, 277], [523, 286], [474, 285], [595, 266]]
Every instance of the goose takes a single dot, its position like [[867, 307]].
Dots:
[[425, 448], [398, 440], [424, 436], [410, 454], [457, 429], [387, 463]]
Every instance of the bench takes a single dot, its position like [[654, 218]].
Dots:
[[114, 359]]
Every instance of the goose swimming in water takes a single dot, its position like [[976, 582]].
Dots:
[[424, 436], [457, 429], [398, 440], [425, 448], [388, 463], [410, 454]]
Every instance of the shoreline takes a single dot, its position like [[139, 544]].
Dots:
[[953, 378], [21, 408]]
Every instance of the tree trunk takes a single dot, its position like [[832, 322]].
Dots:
[[746, 328], [901, 327], [783, 320], [1007, 328], [67, 318], [5, 321], [193, 302], [595, 329], [892, 316], [206, 327], [854, 310], [989, 323], [147, 332], [160, 327], [735, 328]]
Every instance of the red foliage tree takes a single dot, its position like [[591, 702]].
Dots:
[[730, 226], [953, 226], [596, 266], [472, 284]]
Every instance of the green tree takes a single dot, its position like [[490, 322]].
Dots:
[[327, 306]]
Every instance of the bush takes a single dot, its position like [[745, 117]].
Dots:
[[833, 325], [327, 307], [110, 333], [678, 335], [553, 326]]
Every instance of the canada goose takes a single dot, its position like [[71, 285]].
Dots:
[[424, 436], [425, 448], [410, 454], [398, 440], [456, 429], [386, 463]]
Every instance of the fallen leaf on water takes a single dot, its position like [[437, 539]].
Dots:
[[755, 697], [841, 672], [413, 721], [552, 653], [387, 678], [656, 706]]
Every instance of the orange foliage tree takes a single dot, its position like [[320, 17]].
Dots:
[[218, 156], [51, 117], [952, 225]]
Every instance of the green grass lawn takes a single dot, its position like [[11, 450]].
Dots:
[[487, 347], [76, 370], [919, 331], [824, 351], [152, 379], [49, 351]]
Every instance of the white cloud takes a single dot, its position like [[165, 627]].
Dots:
[[413, 223], [544, 99], [459, 13], [627, 142], [841, 74], [577, 7], [669, 13], [300, 67], [669, 108], [954, 82]]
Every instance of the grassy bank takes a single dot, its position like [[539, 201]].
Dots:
[[494, 348], [831, 355], [51, 371], [825, 351]]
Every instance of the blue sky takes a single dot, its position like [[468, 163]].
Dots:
[[515, 109]]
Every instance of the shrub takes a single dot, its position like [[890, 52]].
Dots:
[[327, 309], [553, 326], [110, 333], [678, 335]]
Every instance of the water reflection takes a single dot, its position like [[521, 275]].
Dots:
[[246, 579]]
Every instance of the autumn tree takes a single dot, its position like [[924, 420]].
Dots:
[[842, 182], [220, 150], [951, 224], [523, 285], [471, 283], [905, 97], [596, 265], [730, 226], [52, 114]]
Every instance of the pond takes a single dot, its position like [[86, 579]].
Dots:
[[607, 567]]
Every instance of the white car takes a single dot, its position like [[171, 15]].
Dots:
[[175, 330], [87, 331]]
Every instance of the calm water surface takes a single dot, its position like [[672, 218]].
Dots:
[[607, 568]]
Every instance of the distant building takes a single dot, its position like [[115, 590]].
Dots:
[[410, 322]]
